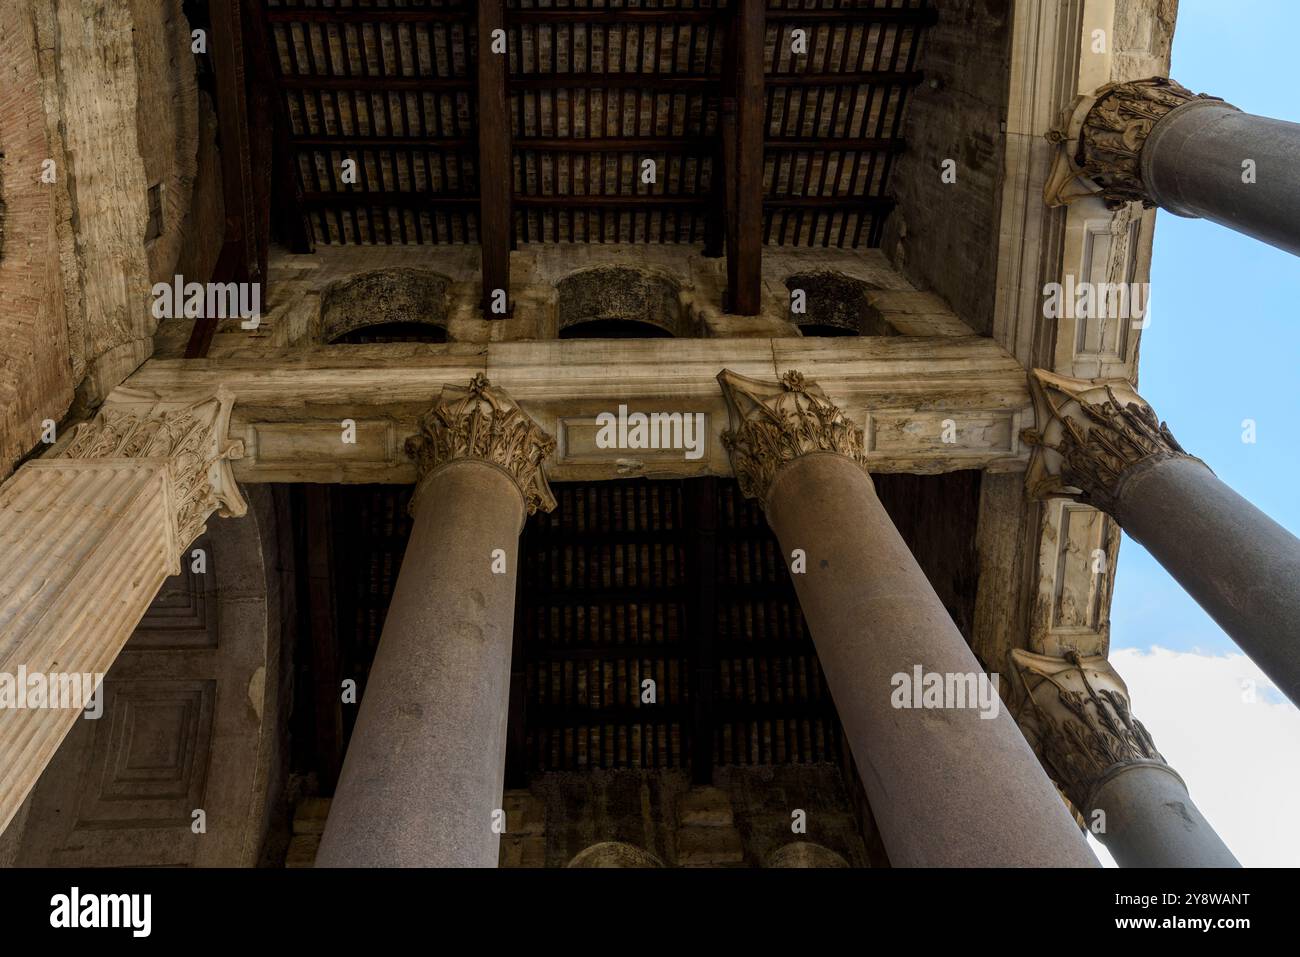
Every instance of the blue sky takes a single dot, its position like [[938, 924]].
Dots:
[[1223, 342]]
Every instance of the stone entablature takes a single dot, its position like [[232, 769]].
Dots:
[[1054, 60], [925, 405]]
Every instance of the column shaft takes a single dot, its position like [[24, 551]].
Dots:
[[1152, 822], [1241, 566], [1192, 166], [425, 765], [947, 787]]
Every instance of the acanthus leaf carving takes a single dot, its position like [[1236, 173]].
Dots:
[[1116, 129], [188, 431], [1075, 712], [772, 425], [1089, 434], [483, 422]]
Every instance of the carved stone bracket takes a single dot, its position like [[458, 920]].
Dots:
[[1075, 713], [484, 423], [1090, 432], [188, 431], [1101, 140], [774, 424]]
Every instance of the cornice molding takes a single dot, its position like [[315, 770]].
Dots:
[[483, 423]]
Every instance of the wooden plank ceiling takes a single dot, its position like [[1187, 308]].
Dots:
[[678, 581], [593, 89]]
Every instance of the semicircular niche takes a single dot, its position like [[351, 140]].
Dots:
[[619, 302], [614, 854], [387, 305], [835, 305]]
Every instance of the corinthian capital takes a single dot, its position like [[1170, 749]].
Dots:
[[1075, 713], [1102, 140], [484, 423], [1090, 433], [187, 431], [774, 424]]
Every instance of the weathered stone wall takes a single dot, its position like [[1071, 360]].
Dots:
[[36, 380], [744, 820], [941, 236], [1144, 37], [383, 297], [91, 90], [630, 818], [620, 293], [99, 96], [167, 124], [292, 312]]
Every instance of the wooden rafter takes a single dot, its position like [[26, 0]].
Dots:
[[495, 164], [239, 260], [286, 193], [744, 158], [227, 46]]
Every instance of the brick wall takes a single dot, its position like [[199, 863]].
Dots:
[[35, 375]]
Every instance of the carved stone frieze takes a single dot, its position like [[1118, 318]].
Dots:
[[774, 424], [189, 431], [1115, 130], [1090, 432], [482, 422], [1075, 713]]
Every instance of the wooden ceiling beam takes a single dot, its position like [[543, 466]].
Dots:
[[495, 164], [358, 15], [434, 84], [239, 259], [743, 158], [227, 38], [285, 190]]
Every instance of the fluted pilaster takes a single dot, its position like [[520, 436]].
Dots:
[[88, 534]]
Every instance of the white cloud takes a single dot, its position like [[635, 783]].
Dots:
[[1241, 760]]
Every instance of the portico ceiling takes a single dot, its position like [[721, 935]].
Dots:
[[595, 91]]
